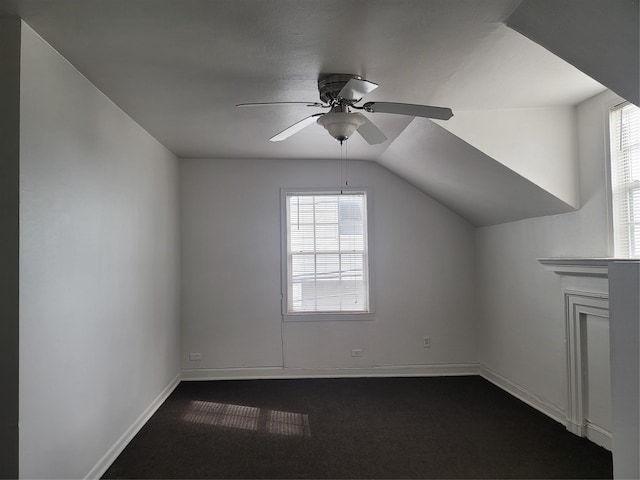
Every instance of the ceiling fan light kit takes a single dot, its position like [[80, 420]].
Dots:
[[341, 92], [341, 125]]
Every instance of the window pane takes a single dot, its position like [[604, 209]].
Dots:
[[301, 211], [302, 267], [352, 224], [327, 237], [302, 239], [351, 209], [328, 266], [296, 296], [352, 243], [326, 209]]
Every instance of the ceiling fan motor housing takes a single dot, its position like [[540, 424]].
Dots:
[[330, 85]]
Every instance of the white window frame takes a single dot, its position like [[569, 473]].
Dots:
[[615, 228], [284, 239]]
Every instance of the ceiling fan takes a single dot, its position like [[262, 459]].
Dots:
[[341, 93]]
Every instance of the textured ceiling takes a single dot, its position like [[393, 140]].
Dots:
[[179, 67]]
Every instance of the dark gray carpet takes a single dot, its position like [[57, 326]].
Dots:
[[449, 427]]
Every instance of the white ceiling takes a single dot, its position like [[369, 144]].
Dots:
[[178, 67]]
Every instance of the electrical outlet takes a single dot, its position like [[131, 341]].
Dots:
[[195, 357], [426, 342], [356, 352]]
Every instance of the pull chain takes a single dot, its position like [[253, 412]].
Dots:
[[346, 165], [341, 168], [344, 171]]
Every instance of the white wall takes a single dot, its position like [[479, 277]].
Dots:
[[98, 269], [9, 242], [522, 326], [423, 264]]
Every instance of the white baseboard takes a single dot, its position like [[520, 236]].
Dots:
[[598, 435], [523, 394], [105, 462], [595, 433], [376, 371]]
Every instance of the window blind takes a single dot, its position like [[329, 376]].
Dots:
[[625, 163], [327, 253]]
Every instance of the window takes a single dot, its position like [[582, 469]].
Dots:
[[625, 176], [325, 255]]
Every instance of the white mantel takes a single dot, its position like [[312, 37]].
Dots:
[[595, 286], [585, 293]]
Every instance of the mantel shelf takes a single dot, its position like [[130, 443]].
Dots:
[[583, 267], [580, 267]]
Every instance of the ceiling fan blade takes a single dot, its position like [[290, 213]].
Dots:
[[370, 132], [439, 113], [268, 104], [295, 128], [356, 89]]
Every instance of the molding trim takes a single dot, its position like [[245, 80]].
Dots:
[[523, 394], [252, 373], [599, 435], [105, 462], [587, 267], [577, 306]]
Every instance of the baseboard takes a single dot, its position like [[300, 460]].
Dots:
[[598, 435], [433, 370], [105, 462], [523, 394]]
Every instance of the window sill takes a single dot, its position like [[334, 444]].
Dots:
[[328, 317]]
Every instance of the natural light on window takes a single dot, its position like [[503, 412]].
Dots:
[[326, 253], [625, 177]]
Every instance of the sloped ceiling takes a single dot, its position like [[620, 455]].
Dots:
[[462, 177], [180, 67]]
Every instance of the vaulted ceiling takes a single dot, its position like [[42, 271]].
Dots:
[[179, 67]]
